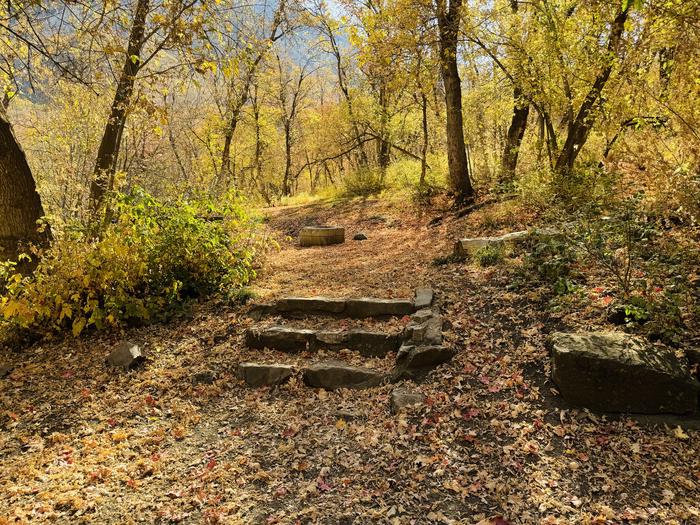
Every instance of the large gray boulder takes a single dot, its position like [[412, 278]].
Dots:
[[616, 372], [126, 355], [280, 338], [336, 374], [257, 374]]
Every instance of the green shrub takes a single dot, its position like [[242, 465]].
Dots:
[[149, 260], [551, 258], [363, 183], [490, 255]]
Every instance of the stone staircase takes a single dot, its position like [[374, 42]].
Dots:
[[419, 346]]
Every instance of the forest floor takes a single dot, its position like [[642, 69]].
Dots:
[[494, 443]]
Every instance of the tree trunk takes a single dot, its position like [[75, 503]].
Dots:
[[581, 126], [514, 139], [459, 175], [286, 187], [111, 139], [424, 147], [20, 204], [383, 145]]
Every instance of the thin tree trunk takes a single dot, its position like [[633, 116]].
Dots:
[[286, 187], [20, 204], [581, 126], [111, 139], [459, 174], [516, 132], [238, 104], [424, 148], [383, 144]]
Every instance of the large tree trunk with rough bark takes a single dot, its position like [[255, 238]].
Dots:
[[458, 165], [580, 127], [20, 205], [107, 154]]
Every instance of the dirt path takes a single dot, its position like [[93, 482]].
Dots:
[[81, 444]]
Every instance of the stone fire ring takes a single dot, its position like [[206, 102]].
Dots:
[[321, 235]]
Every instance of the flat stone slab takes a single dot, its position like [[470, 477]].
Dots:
[[281, 338], [337, 374], [372, 344], [616, 372], [402, 398], [257, 374], [126, 355], [367, 343], [311, 305], [357, 307], [470, 246], [371, 307]]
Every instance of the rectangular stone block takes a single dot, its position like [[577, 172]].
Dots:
[[370, 307], [280, 338], [310, 305]]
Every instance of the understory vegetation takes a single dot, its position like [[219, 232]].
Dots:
[[148, 260]]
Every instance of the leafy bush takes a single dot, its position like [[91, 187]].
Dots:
[[552, 258], [363, 183], [149, 260], [618, 242], [490, 255]]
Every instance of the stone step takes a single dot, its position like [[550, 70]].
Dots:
[[259, 374], [354, 307], [332, 375], [281, 338], [285, 339], [616, 372]]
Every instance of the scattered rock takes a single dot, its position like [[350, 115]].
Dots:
[[424, 298], [370, 307], [336, 374], [692, 354], [310, 305], [616, 372], [5, 370], [256, 374], [424, 329], [349, 415], [126, 355], [416, 357], [280, 338], [359, 237], [402, 398], [204, 378]]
